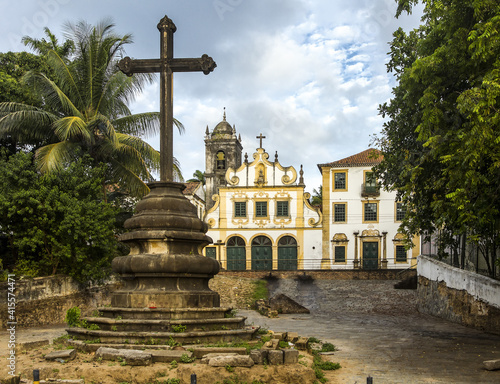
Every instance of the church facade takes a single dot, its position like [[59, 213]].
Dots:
[[260, 218]]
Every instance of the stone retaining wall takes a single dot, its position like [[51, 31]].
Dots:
[[45, 300], [457, 295], [353, 274]]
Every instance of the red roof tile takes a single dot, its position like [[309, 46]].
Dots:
[[367, 158], [191, 187]]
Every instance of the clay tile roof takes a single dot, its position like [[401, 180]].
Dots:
[[191, 187], [367, 158]]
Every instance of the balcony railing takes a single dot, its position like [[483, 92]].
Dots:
[[369, 190]]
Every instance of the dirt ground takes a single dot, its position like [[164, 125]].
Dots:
[[86, 367]]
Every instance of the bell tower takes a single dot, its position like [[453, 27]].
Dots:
[[222, 151]]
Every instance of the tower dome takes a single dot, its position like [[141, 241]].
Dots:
[[223, 129]]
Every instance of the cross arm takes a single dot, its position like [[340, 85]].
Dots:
[[129, 66]]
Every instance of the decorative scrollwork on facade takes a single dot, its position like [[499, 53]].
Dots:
[[370, 233], [211, 223]]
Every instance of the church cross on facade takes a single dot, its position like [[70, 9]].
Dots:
[[166, 65], [261, 137]]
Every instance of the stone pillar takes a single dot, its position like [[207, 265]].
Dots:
[[384, 251], [356, 261]]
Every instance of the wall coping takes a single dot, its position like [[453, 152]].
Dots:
[[481, 287]]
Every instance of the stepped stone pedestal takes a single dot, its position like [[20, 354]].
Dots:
[[165, 293]]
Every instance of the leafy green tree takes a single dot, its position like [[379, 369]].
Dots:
[[440, 142], [198, 176], [85, 109], [57, 222], [317, 197]]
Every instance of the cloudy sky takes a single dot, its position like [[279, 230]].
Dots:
[[307, 74]]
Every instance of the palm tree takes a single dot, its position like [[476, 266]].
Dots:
[[43, 46], [85, 109], [198, 176], [317, 197]]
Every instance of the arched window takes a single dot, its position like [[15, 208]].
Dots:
[[220, 162]]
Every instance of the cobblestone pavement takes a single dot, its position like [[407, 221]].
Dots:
[[380, 334]]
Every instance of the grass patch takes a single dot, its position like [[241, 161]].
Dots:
[[260, 290]]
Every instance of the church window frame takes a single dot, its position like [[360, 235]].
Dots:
[[240, 209], [400, 211], [400, 254], [370, 212], [261, 210], [340, 254], [340, 212], [339, 179], [282, 208]]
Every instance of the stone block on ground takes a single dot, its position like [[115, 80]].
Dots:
[[202, 351], [10, 379], [133, 357], [62, 381], [66, 355], [130, 356], [271, 344], [275, 357], [29, 345], [290, 356], [166, 356], [301, 343], [259, 356], [292, 337], [233, 361], [492, 365], [205, 359]]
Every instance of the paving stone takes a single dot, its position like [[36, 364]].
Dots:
[[292, 337], [492, 365], [202, 351], [205, 359], [166, 356], [130, 356], [275, 357], [271, 344], [26, 346], [301, 343], [66, 355], [233, 361], [259, 356], [290, 356]]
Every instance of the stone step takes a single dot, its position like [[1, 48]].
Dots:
[[158, 338], [164, 313], [160, 325]]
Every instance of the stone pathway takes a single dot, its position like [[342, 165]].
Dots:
[[379, 333]]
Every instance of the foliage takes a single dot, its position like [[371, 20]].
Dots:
[[317, 197], [178, 328], [73, 317], [440, 142], [85, 108], [57, 222], [186, 359], [328, 347], [260, 290], [198, 176]]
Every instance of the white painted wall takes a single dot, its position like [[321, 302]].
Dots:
[[481, 287]]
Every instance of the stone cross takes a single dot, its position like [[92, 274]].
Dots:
[[260, 137], [166, 65]]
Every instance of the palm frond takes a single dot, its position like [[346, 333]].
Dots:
[[72, 127], [147, 124], [53, 157]]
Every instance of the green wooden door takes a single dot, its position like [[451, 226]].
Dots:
[[262, 254], [287, 254], [370, 255], [236, 255], [211, 252]]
